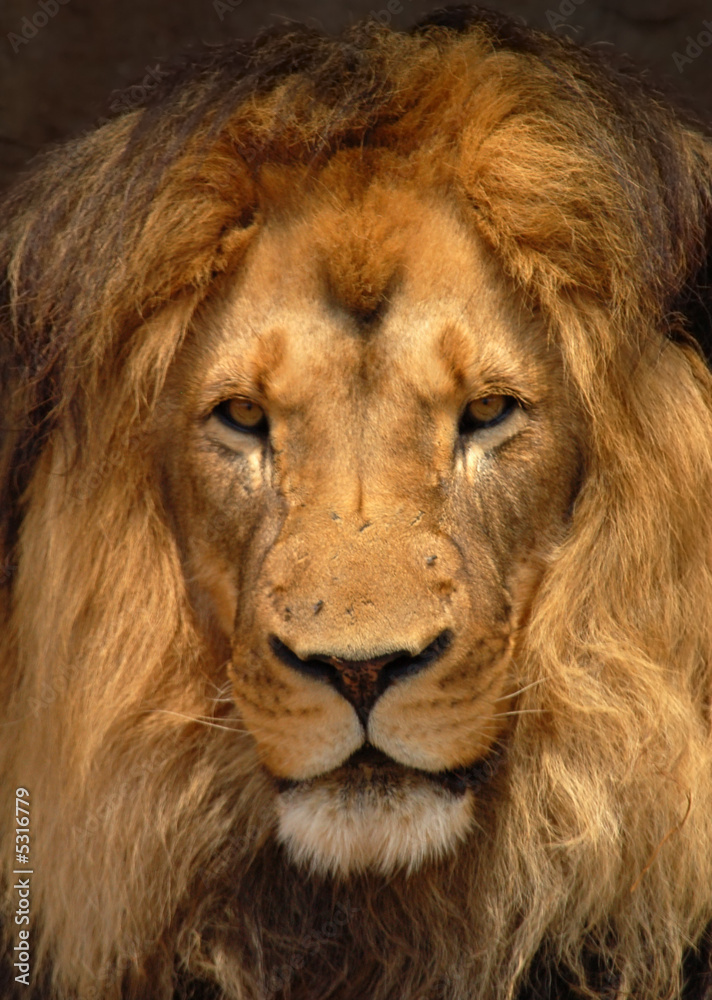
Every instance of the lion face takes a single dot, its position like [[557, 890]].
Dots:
[[382, 446]]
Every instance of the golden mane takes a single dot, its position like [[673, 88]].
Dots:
[[155, 868]]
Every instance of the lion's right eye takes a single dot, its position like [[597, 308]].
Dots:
[[486, 411], [242, 414]]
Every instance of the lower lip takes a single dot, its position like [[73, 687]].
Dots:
[[456, 781], [473, 777]]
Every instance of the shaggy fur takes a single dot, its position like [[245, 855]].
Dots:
[[156, 868]]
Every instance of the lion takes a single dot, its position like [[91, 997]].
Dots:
[[357, 579]]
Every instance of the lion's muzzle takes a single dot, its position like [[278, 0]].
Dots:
[[374, 686]]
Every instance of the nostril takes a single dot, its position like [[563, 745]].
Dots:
[[362, 682], [407, 665], [312, 667]]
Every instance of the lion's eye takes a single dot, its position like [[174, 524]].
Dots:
[[243, 414], [486, 411]]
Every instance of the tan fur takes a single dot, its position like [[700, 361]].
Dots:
[[362, 246]]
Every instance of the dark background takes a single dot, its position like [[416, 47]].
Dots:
[[63, 63]]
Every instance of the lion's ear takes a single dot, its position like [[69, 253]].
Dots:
[[694, 301]]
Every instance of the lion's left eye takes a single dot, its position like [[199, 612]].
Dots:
[[242, 414], [485, 411]]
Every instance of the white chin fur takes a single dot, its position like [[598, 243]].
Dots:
[[333, 833]]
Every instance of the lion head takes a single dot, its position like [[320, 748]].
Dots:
[[357, 571]]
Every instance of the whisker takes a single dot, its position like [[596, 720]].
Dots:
[[223, 689], [204, 720], [521, 690], [210, 718], [517, 711]]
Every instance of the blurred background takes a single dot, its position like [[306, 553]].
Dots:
[[65, 64]]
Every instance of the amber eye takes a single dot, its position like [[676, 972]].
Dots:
[[243, 414], [486, 411]]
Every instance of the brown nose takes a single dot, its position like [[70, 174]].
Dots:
[[362, 682]]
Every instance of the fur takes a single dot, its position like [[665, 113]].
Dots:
[[158, 871]]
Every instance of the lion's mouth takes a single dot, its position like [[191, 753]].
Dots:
[[369, 767]]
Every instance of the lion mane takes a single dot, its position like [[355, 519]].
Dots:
[[155, 868]]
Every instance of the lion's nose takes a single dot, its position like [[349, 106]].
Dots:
[[362, 682]]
